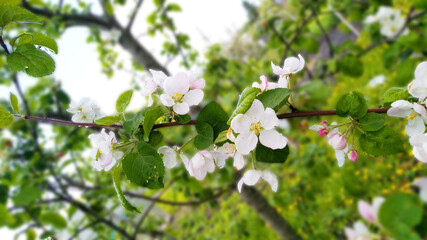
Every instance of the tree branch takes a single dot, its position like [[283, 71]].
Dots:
[[134, 14], [298, 114]]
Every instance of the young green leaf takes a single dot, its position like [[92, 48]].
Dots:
[[109, 120], [54, 219], [274, 98], [150, 117], [268, 155], [116, 181], [245, 102], [381, 143], [26, 195], [123, 101], [214, 115], [183, 118], [352, 104], [222, 137], [14, 14], [38, 39], [10, 2], [34, 62], [351, 66], [5, 118], [145, 167], [205, 137], [14, 103], [393, 94], [372, 122], [132, 125]]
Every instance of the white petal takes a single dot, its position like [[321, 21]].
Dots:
[[273, 139], [283, 82], [277, 70], [415, 126], [181, 108], [198, 84], [340, 155], [193, 97], [241, 123], [256, 111], [251, 177], [421, 183], [271, 179], [400, 108], [159, 77], [199, 173], [421, 71], [239, 161], [166, 100], [420, 109], [177, 84], [219, 158], [246, 142], [269, 119], [240, 185], [150, 100], [418, 88], [148, 86], [169, 156]]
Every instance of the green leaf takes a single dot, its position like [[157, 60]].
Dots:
[[5, 217], [150, 117], [156, 138], [400, 213], [54, 219], [268, 155], [116, 180], [132, 125], [109, 120], [214, 115], [419, 4], [38, 39], [144, 168], [14, 103], [222, 137], [173, 7], [31, 234], [10, 2], [14, 14], [33, 61], [381, 143], [26, 195], [351, 66], [183, 118], [352, 104], [205, 137], [372, 122], [394, 94], [123, 101], [245, 102], [5, 118], [274, 98]]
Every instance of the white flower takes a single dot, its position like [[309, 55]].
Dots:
[[159, 77], [256, 123], [178, 94], [291, 66], [230, 150], [421, 183], [418, 87], [202, 163], [338, 142], [195, 83], [370, 212], [415, 112], [251, 177], [359, 232], [85, 111], [103, 154], [264, 85], [377, 80], [169, 156], [419, 145], [148, 88], [390, 20]]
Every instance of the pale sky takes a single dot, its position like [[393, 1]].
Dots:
[[79, 70]]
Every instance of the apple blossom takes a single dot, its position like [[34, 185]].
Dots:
[[264, 85], [415, 112], [352, 155], [252, 176], [159, 77], [148, 87], [169, 156], [377, 80], [337, 141], [419, 145], [204, 162], [229, 150], [104, 155], [390, 20], [370, 212], [322, 128], [85, 111], [418, 87], [291, 66], [178, 94], [359, 232], [421, 183], [256, 123]]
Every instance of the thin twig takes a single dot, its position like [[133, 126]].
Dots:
[[325, 35], [344, 20], [134, 14]]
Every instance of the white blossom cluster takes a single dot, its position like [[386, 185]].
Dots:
[[85, 111], [391, 21]]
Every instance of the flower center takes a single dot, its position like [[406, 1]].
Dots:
[[230, 149], [412, 116], [178, 97], [393, 28], [256, 128]]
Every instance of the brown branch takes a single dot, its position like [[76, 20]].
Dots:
[[298, 114]]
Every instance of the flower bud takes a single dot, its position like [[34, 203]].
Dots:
[[337, 141], [323, 132], [324, 122], [352, 155]]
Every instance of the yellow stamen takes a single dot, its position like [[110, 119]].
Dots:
[[410, 85], [256, 128], [178, 97], [412, 116]]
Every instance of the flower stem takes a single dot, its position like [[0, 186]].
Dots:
[[253, 159]]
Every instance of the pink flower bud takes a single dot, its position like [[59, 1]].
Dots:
[[323, 132], [324, 122], [337, 141], [352, 155]]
